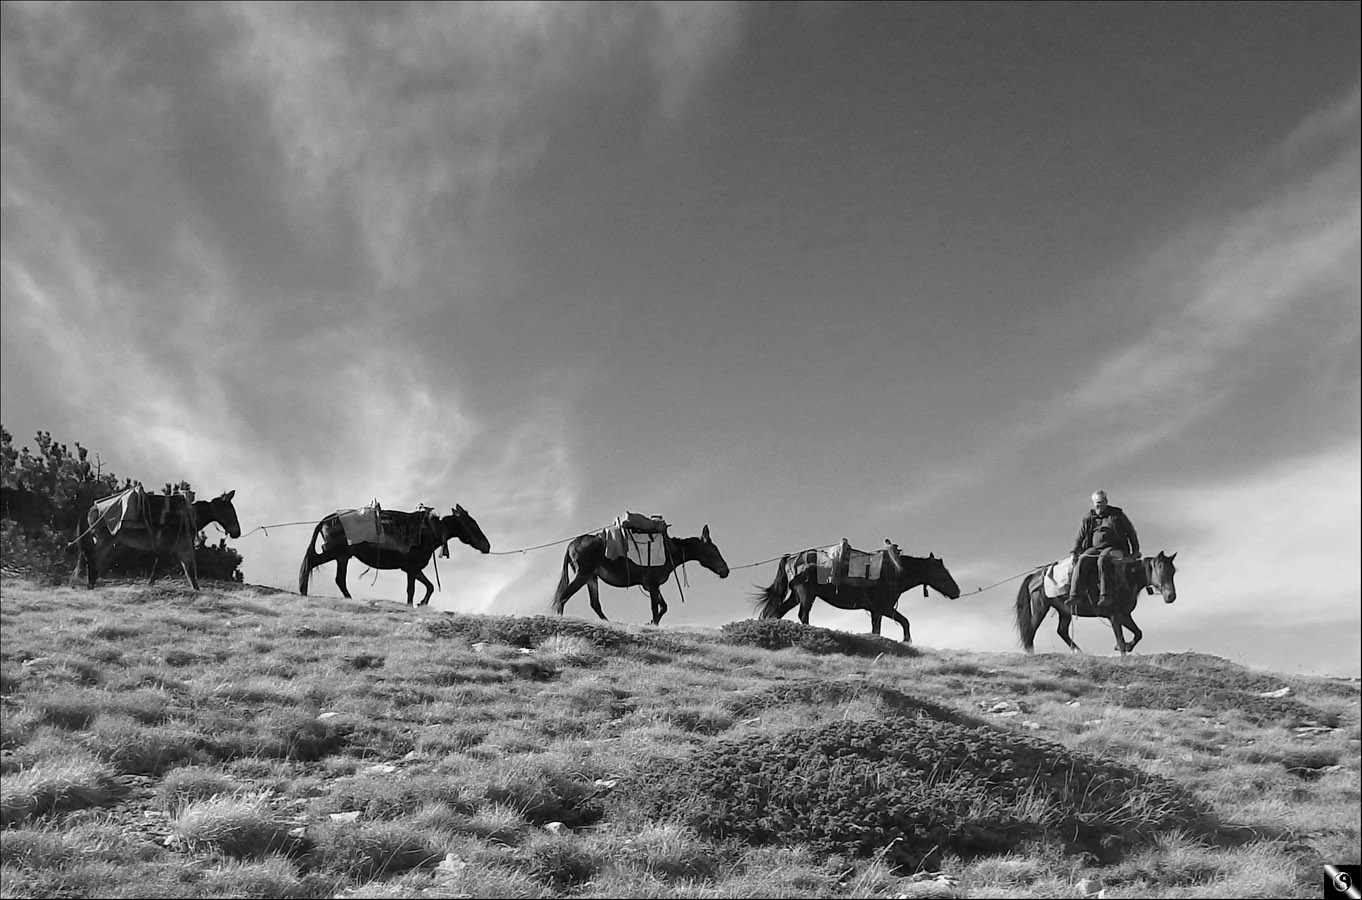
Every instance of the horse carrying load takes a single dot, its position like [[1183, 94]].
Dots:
[[636, 551], [852, 579], [161, 524], [388, 539]]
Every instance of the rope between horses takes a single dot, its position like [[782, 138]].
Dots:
[[524, 550]]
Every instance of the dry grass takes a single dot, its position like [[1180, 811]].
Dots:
[[254, 743]]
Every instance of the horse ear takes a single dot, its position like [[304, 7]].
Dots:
[[229, 495], [458, 508], [705, 533], [1173, 557]]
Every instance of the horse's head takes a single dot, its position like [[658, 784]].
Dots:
[[706, 553], [224, 513], [462, 526], [934, 574], [1161, 571]]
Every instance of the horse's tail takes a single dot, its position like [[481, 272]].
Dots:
[[1027, 621], [305, 570], [768, 600], [559, 593]]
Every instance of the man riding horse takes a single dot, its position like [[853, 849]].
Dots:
[[1106, 535]]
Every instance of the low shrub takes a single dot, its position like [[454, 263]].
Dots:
[[363, 850], [76, 782], [242, 827], [779, 634], [911, 790], [561, 861]]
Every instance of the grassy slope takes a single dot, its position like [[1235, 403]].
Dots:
[[248, 742]]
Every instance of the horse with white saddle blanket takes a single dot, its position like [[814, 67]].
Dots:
[[1048, 588]]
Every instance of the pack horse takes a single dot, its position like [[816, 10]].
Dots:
[[635, 553], [163, 525], [388, 539], [852, 579]]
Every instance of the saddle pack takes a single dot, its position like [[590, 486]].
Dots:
[[640, 539], [842, 563], [134, 508], [385, 528]]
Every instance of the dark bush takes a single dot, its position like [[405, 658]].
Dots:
[[912, 790], [531, 631], [779, 634]]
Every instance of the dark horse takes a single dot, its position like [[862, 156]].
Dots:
[[431, 533], [879, 597], [585, 556], [175, 538], [1151, 573]]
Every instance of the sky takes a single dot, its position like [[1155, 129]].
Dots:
[[798, 272]]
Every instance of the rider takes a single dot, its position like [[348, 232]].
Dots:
[[1104, 533]]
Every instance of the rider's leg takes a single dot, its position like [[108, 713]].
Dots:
[[1106, 574]]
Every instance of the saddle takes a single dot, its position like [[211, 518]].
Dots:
[[640, 539], [389, 529], [1124, 570], [135, 509], [844, 564]]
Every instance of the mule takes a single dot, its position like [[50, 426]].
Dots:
[[585, 558], [1150, 573], [879, 597], [174, 537], [431, 533]]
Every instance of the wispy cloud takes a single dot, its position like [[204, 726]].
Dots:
[[1235, 292], [1282, 544]]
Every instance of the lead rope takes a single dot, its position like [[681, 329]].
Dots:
[[678, 568]]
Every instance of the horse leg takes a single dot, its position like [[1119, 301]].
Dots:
[[342, 563], [1124, 619], [569, 587], [787, 604], [593, 588], [412, 577], [875, 623], [1063, 630], [190, 566], [1040, 608], [902, 620], [805, 603], [96, 555], [1115, 621], [659, 604], [155, 569]]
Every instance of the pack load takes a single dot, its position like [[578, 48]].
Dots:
[[384, 528], [638, 538], [842, 563], [134, 508]]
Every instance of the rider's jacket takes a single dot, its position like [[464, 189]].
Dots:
[[1109, 529]]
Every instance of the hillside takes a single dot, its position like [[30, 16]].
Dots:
[[249, 742]]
